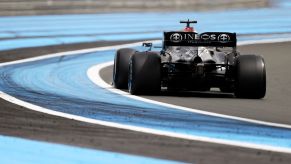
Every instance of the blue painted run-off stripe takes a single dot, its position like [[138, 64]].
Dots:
[[45, 82], [16, 150], [31, 31], [61, 84]]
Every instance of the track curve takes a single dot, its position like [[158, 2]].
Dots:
[[275, 107], [193, 151], [60, 84]]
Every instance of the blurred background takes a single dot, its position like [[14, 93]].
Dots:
[[35, 23], [37, 7]]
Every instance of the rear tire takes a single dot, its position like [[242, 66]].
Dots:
[[144, 73], [120, 68], [250, 77]]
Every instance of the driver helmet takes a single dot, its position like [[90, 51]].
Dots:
[[188, 29]]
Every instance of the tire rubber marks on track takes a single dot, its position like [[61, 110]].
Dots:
[[93, 74]]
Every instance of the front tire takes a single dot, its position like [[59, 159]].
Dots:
[[144, 73], [120, 68], [250, 77]]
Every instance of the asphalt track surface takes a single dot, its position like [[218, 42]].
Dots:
[[16, 121], [275, 107]]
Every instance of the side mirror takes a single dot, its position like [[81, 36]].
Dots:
[[148, 44]]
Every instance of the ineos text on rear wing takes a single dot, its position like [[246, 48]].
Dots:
[[213, 39]]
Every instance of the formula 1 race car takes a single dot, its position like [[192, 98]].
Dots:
[[190, 61]]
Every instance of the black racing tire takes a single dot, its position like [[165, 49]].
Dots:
[[250, 79], [144, 73], [120, 68]]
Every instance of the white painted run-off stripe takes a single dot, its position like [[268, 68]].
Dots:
[[140, 129], [94, 75], [134, 128], [69, 53]]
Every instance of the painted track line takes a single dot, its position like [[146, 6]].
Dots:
[[135, 128], [75, 52], [94, 75], [141, 129]]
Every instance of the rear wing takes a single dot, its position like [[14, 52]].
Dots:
[[213, 39]]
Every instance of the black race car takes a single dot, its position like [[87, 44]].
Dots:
[[190, 61]]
